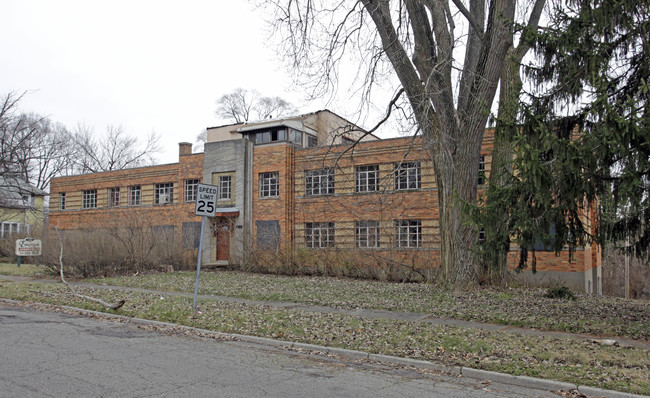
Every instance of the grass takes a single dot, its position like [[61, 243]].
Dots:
[[576, 361], [602, 316], [30, 270]]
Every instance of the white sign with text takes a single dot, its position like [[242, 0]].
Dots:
[[206, 200]]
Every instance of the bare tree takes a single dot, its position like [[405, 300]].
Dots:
[[115, 150], [16, 135], [450, 91], [243, 105], [33, 148]]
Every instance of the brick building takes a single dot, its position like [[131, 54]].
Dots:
[[157, 197], [298, 185]]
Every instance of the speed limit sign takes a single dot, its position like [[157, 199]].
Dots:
[[206, 200]]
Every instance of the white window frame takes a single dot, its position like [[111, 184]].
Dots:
[[319, 182], [114, 197], [135, 195], [9, 228], [225, 188], [408, 233], [166, 188], [269, 185], [481, 171], [408, 175], [367, 178], [190, 189], [319, 235], [89, 199], [366, 234]]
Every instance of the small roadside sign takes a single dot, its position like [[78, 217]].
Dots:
[[206, 200], [28, 247]]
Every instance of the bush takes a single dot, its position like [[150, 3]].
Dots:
[[107, 252], [361, 264], [560, 292]]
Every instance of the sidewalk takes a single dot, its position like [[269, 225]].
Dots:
[[365, 313]]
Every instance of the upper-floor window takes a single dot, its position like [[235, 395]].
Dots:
[[367, 233], [319, 182], [481, 170], [319, 234], [114, 197], [163, 193], [62, 201], [28, 200], [295, 136], [274, 135], [135, 195], [269, 184], [190, 190], [311, 141], [367, 178], [408, 233], [407, 175], [225, 188], [89, 199]]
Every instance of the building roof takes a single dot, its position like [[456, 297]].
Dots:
[[12, 190]]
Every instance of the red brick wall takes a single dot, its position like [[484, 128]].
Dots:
[[74, 217]]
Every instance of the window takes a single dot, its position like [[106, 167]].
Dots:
[[409, 233], [311, 141], [295, 136], [319, 234], [407, 175], [62, 201], [191, 235], [268, 234], [10, 228], [163, 193], [225, 188], [28, 201], [135, 195], [114, 197], [319, 182], [269, 185], [367, 233], [274, 135], [481, 170], [190, 190], [89, 199], [481, 235], [367, 178]]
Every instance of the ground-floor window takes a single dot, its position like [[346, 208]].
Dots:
[[408, 233], [268, 234], [10, 228], [367, 234], [319, 234]]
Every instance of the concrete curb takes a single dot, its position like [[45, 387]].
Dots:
[[461, 371]]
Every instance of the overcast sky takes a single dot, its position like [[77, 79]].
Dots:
[[145, 65]]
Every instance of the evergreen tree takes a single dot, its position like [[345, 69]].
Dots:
[[584, 136]]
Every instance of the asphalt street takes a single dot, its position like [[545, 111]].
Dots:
[[48, 354]]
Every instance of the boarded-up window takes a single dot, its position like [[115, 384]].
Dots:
[[191, 235], [268, 234]]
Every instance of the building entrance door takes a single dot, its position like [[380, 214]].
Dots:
[[222, 239]]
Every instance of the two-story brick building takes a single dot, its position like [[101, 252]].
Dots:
[[297, 184]]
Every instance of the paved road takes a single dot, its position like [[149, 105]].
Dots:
[[45, 354]]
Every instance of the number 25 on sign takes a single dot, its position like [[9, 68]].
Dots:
[[206, 200]]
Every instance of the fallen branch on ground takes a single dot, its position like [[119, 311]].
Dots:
[[74, 293]]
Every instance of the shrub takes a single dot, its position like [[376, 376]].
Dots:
[[560, 292]]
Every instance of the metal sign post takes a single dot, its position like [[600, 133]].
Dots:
[[206, 206]]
